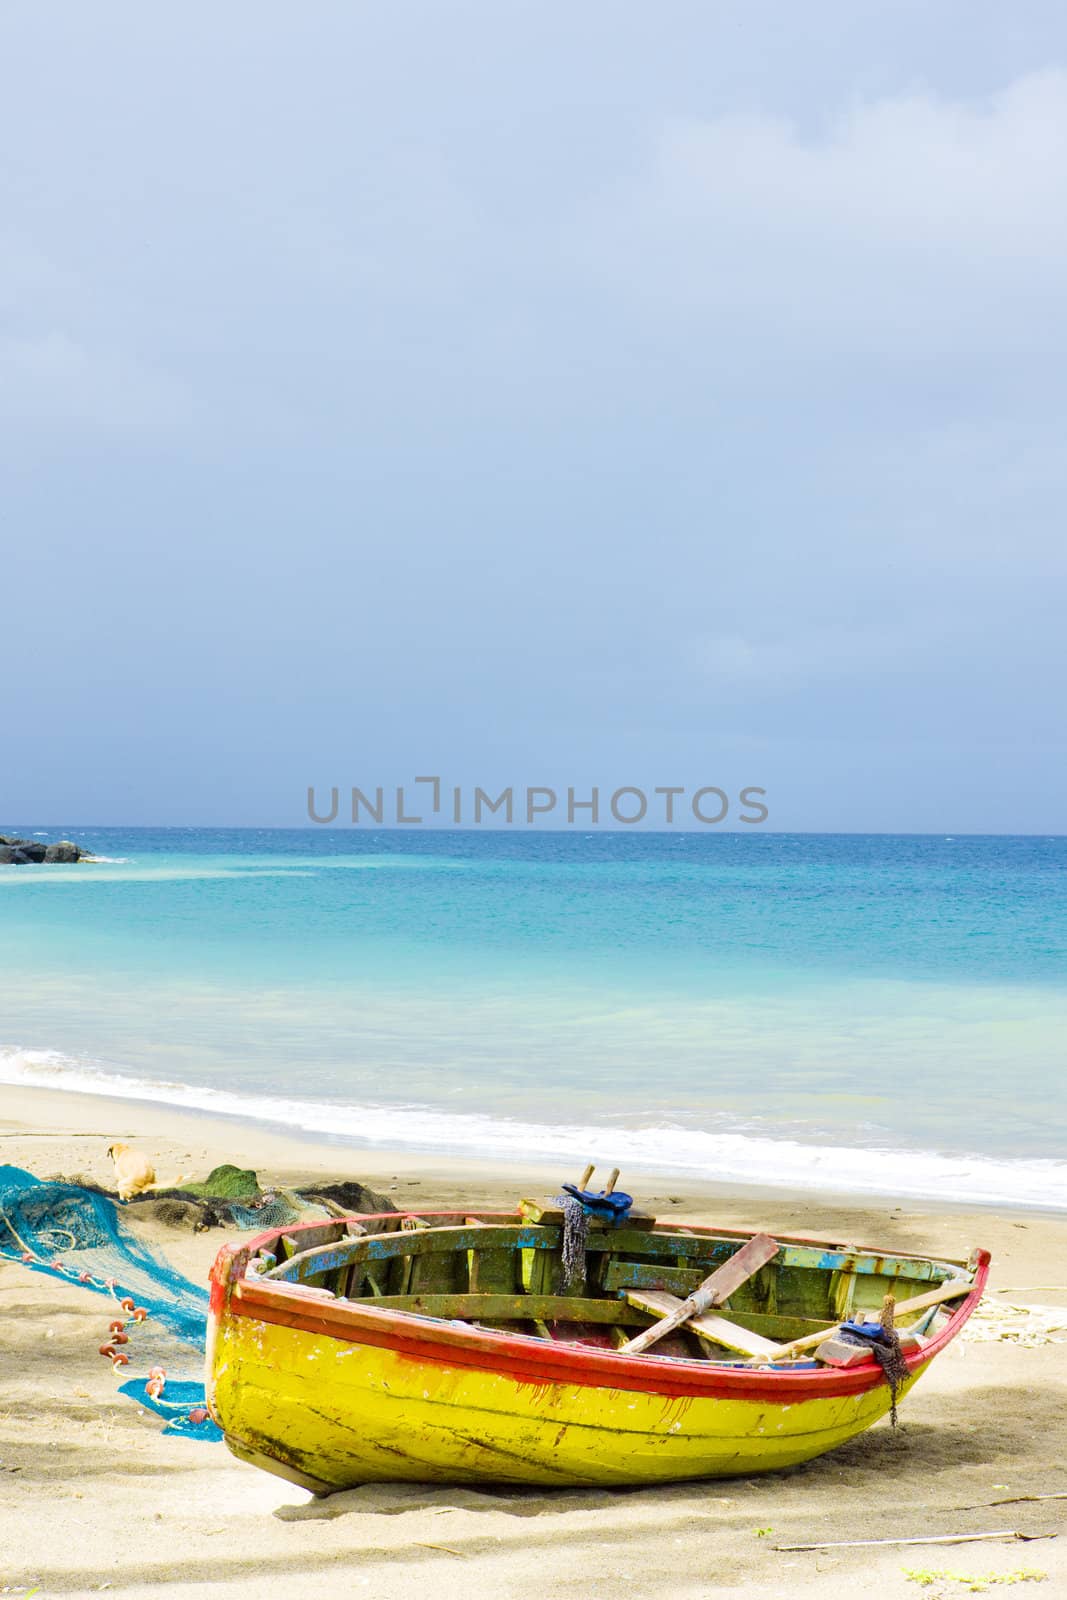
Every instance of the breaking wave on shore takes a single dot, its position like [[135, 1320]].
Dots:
[[722, 1154]]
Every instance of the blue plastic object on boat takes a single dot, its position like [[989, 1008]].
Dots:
[[612, 1207]]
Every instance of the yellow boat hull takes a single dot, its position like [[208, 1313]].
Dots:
[[331, 1417], [332, 1391]]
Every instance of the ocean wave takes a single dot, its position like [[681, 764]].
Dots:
[[721, 1156], [57, 873]]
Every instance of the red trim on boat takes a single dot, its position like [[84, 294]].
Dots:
[[527, 1359]]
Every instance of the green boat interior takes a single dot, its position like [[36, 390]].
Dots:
[[775, 1303]]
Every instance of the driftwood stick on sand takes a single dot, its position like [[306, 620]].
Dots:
[[1033, 1288], [1012, 1500], [937, 1538]]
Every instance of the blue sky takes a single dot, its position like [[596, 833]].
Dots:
[[534, 394]]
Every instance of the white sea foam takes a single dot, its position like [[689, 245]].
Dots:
[[719, 1155], [101, 872]]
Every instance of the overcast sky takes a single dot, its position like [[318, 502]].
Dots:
[[534, 393]]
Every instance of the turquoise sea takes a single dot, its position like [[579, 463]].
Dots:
[[881, 1013]]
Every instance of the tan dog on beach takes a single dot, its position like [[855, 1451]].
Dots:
[[134, 1173]]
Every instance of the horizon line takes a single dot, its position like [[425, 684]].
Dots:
[[574, 830]]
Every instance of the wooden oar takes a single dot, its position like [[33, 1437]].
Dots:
[[707, 1324], [932, 1297], [742, 1265]]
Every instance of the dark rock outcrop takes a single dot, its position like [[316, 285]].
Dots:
[[15, 852], [64, 851]]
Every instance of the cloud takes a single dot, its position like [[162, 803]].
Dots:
[[29, 278], [53, 377], [911, 218], [794, 656]]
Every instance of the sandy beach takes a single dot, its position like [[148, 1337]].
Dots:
[[93, 1497]]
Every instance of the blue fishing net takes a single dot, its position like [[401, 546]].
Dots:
[[274, 1210], [77, 1234], [179, 1404]]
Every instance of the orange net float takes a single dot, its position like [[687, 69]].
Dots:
[[28, 1255], [140, 1313], [157, 1382], [197, 1416], [120, 1359], [127, 1304], [107, 1350], [116, 1326], [120, 1338]]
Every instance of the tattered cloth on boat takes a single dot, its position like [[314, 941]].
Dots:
[[884, 1345]]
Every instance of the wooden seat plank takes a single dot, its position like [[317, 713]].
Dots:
[[529, 1307]]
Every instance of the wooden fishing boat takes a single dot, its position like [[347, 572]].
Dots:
[[451, 1347]]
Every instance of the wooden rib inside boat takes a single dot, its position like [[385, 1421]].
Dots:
[[454, 1346], [497, 1274]]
